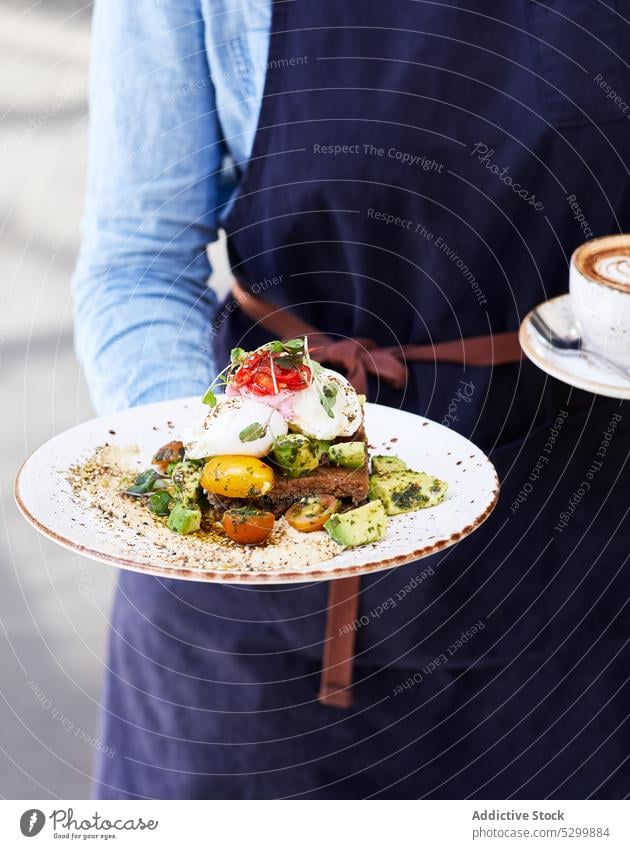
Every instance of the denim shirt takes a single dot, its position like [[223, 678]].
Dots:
[[175, 92]]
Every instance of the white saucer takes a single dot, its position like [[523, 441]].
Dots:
[[575, 368]]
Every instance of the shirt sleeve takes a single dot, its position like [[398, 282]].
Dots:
[[142, 306]]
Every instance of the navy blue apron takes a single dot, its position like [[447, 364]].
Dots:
[[420, 173]]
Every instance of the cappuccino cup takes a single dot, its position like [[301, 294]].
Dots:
[[599, 284]]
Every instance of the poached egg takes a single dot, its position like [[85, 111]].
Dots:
[[308, 416], [220, 429], [304, 412]]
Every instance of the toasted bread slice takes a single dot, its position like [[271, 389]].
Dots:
[[324, 480]]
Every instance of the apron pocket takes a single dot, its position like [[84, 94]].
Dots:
[[577, 47]]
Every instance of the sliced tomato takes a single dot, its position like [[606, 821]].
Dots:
[[172, 452], [247, 526], [256, 375], [310, 514]]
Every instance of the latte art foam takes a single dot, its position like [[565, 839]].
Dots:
[[614, 268], [606, 260]]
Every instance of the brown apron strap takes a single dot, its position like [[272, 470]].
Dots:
[[360, 357], [343, 606]]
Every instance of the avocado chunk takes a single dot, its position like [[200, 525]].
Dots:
[[349, 454], [161, 502], [364, 524], [321, 446], [187, 479], [383, 464], [296, 454], [402, 492], [184, 520]]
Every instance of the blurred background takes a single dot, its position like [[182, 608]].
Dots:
[[54, 606]]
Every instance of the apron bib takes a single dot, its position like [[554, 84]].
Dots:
[[412, 183]]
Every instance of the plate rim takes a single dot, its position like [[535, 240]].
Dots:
[[608, 390], [313, 575]]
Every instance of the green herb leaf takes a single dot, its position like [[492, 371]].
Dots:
[[276, 347], [327, 397], [294, 344], [252, 432], [237, 355], [143, 483], [209, 398]]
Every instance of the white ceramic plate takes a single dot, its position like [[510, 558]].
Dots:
[[47, 501], [577, 369]]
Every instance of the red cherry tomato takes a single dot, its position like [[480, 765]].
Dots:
[[247, 526], [256, 376]]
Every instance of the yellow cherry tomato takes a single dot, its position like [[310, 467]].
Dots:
[[311, 514], [237, 476]]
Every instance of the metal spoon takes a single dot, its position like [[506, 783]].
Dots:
[[571, 344]]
